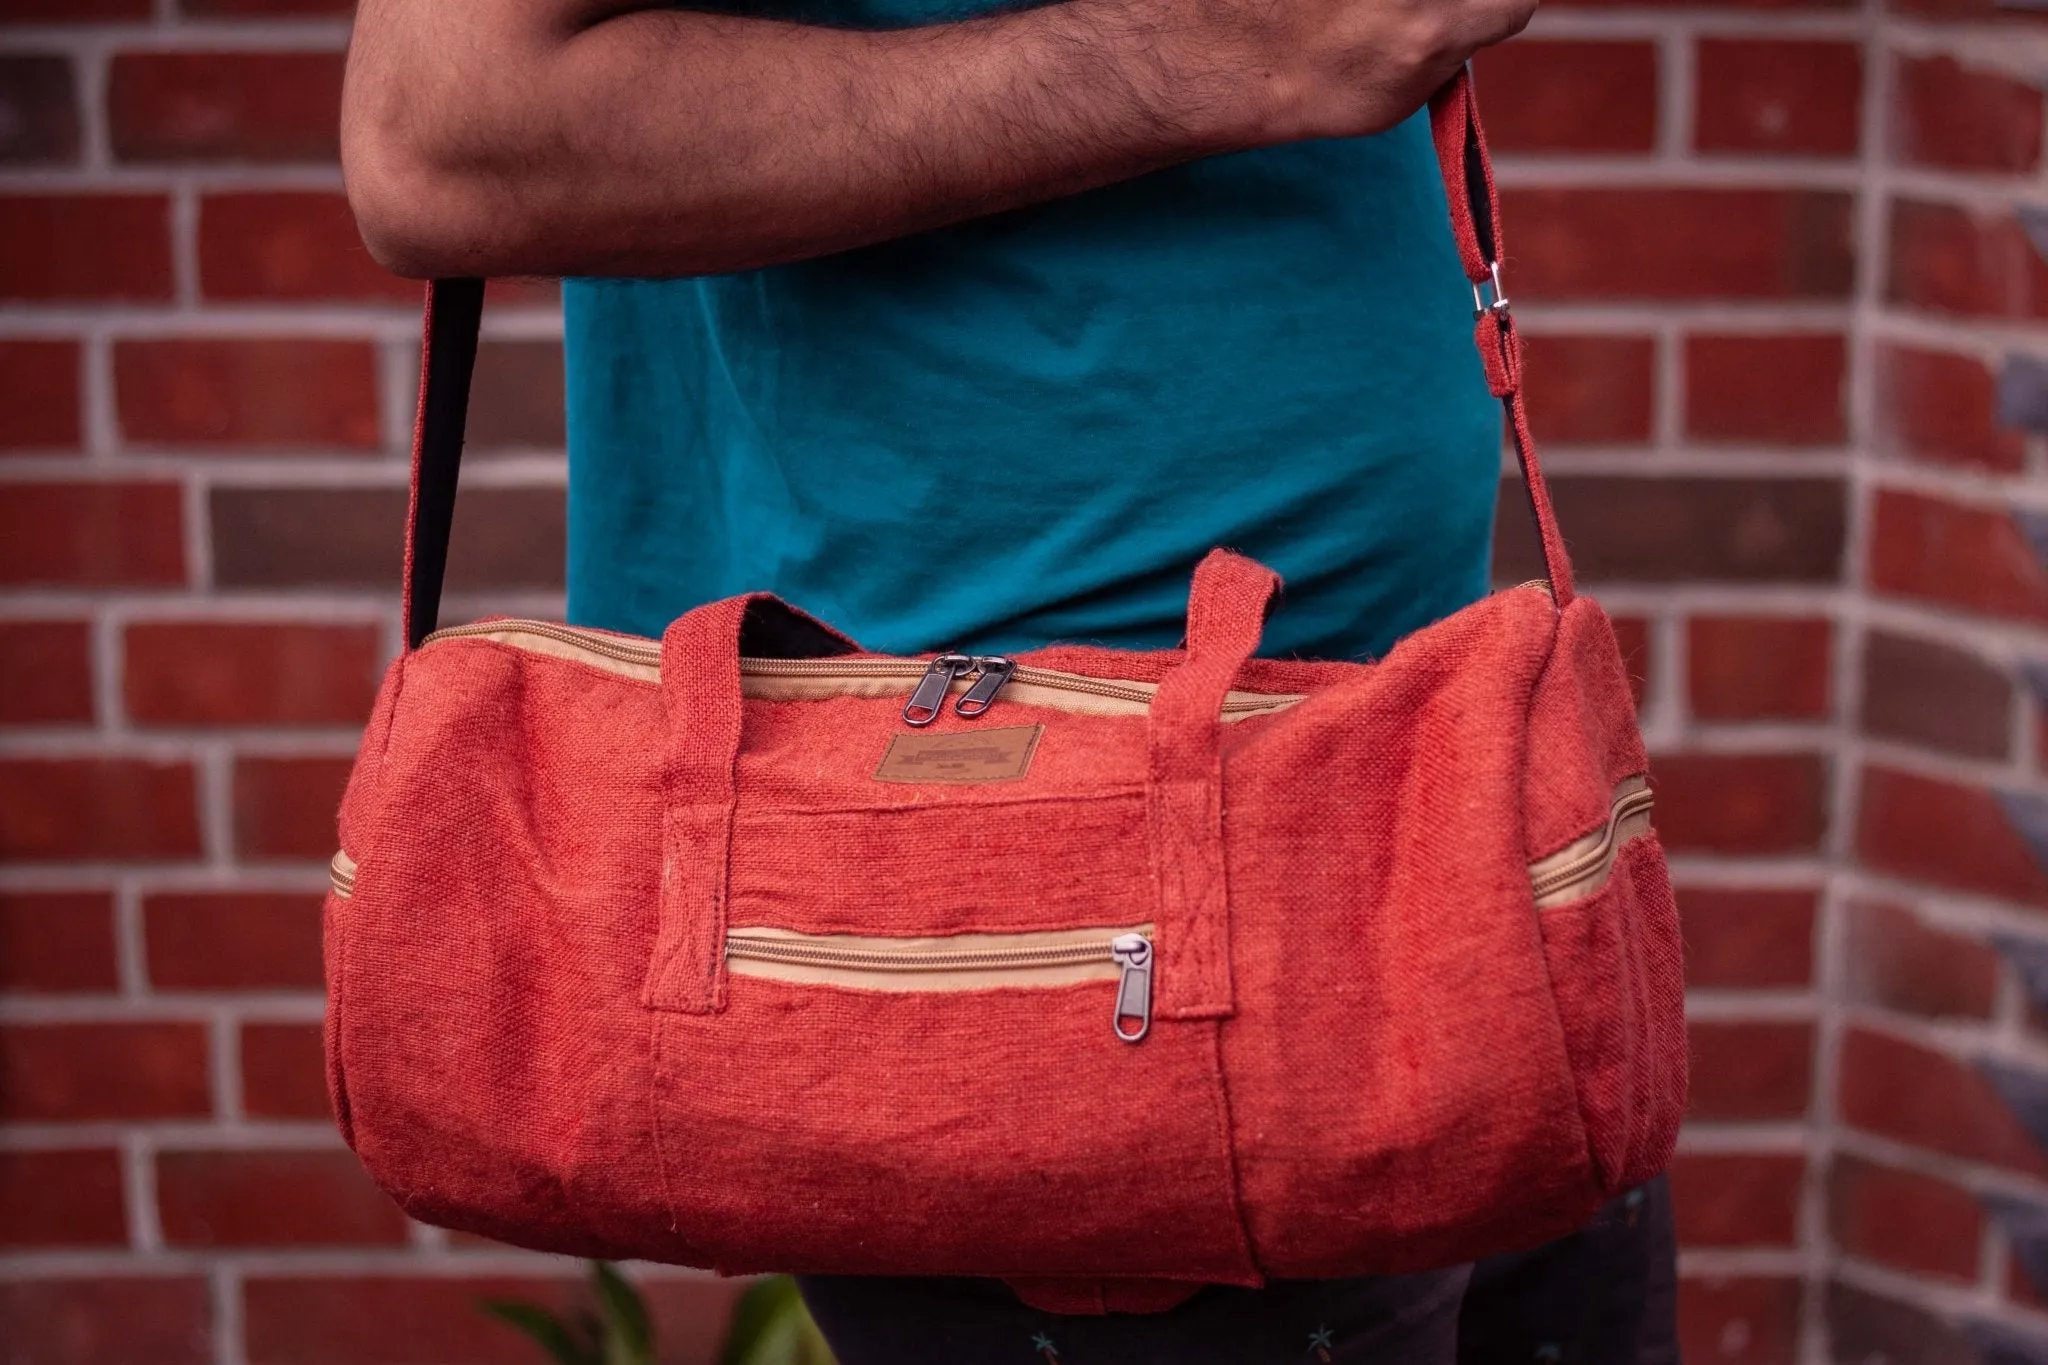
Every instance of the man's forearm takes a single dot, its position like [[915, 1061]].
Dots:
[[665, 142], [619, 137]]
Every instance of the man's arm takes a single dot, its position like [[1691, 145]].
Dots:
[[619, 137]]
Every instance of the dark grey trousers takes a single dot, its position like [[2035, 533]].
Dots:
[[1606, 1295]]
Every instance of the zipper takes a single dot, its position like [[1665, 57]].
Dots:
[[994, 671], [959, 962], [1583, 868], [341, 874], [928, 699], [639, 657]]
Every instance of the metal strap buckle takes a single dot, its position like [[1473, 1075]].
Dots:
[[1481, 305]]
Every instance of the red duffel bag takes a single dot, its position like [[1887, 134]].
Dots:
[[1110, 974]]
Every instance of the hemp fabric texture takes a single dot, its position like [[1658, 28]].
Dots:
[[1380, 1038]]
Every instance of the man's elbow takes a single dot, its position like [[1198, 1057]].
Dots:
[[419, 219]]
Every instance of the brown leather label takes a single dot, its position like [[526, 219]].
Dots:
[[1000, 755]]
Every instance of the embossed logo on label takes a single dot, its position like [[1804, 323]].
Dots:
[[1000, 755]]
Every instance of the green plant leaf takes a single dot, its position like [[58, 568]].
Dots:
[[629, 1336], [770, 1326], [548, 1331]]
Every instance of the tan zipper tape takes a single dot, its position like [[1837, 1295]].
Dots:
[[1582, 867], [955, 962], [341, 872], [816, 679]]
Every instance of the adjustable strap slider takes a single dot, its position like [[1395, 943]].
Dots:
[[1498, 303]]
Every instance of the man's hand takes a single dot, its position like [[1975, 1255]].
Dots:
[[557, 137]]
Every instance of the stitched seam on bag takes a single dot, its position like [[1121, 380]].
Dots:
[[1239, 1218], [1129, 793], [659, 1124]]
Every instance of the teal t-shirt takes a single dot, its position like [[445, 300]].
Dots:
[[1028, 428]]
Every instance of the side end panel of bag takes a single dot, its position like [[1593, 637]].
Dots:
[[490, 1048], [1398, 1066], [1604, 903], [358, 801]]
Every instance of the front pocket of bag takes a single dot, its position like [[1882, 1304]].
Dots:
[[1620, 997], [970, 1104]]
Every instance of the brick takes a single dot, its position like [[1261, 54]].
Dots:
[[1979, 10], [45, 672], [1772, 95], [1957, 554], [1947, 259], [85, 248], [305, 1320], [1746, 1199], [1748, 1321], [92, 535], [1681, 529], [517, 398], [109, 1320], [283, 1075], [1591, 390], [285, 807], [1677, 243], [1915, 1095], [1930, 830], [289, 246], [72, 11], [38, 110], [1750, 1070], [248, 391], [225, 106], [250, 9], [1632, 636], [1898, 963], [65, 1198], [56, 942], [77, 1072], [97, 808], [250, 673], [39, 400], [1547, 96], [232, 940], [1740, 803], [1955, 117], [351, 537], [1740, 938], [269, 1199], [1903, 1219], [1920, 692], [522, 291], [1864, 1327], [1754, 668], [1940, 407], [1778, 390]]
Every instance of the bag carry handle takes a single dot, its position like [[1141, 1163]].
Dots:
[[454, 307], [1184, 785]]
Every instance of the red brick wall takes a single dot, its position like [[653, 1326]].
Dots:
[[1774, 278]]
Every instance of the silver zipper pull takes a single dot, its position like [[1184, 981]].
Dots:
[[929, 697], [1133, 953], [995, 671]]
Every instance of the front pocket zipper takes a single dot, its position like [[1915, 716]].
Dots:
[[979, 677], [959, 962]]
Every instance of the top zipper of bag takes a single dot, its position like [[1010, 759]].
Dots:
[[928, 681]]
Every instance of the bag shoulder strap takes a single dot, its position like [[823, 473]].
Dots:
[[454, 308]]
